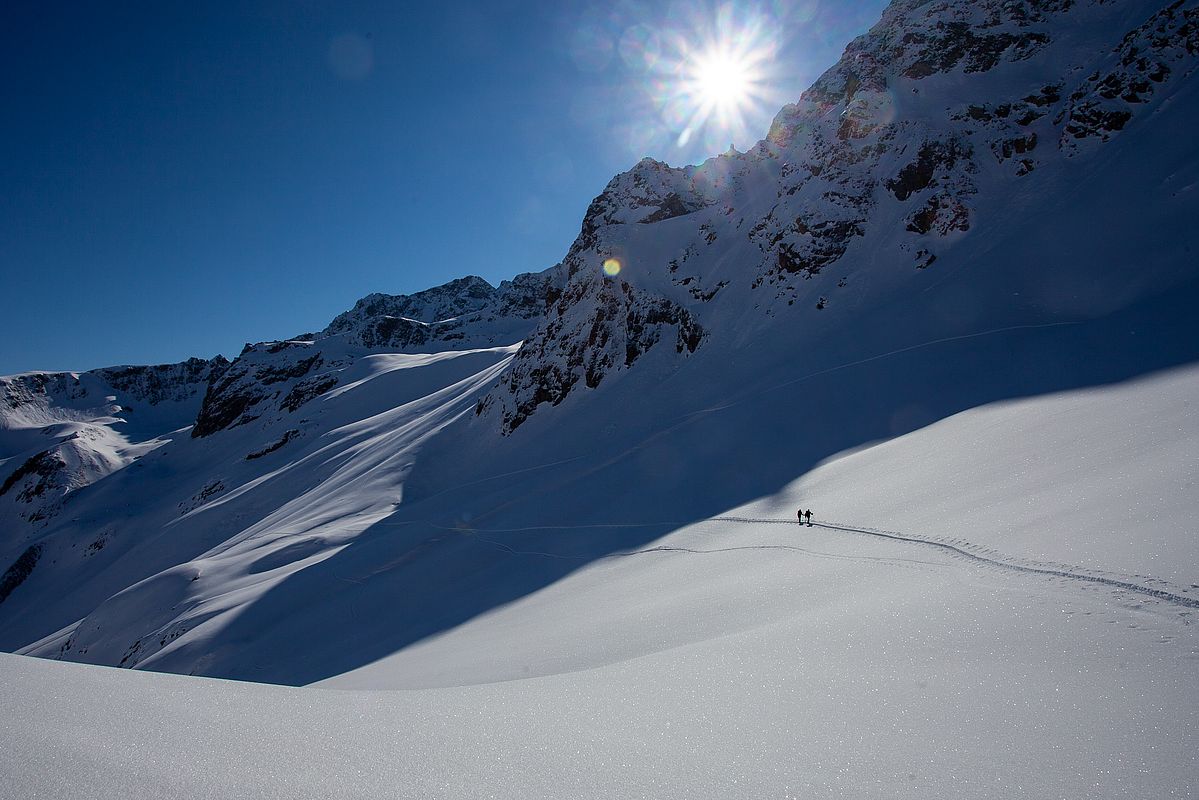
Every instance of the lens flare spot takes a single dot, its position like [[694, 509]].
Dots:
[[611, 267]]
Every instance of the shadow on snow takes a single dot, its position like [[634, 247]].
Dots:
[[452, 553]]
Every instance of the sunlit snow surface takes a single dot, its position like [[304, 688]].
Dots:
[[743, 659]]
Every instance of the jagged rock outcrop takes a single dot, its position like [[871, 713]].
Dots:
[[649, 192], [163, 382], [282, 377], [264, 378], [593, 331], [1148, 56], [44, 468], [57, 396], [19, 570], [468, 312], [29, 392], [597, 324]]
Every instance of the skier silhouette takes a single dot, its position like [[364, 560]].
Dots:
[[800, 515], [808, 514]]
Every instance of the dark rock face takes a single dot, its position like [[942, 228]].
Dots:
[[261, 374], [20, 569], [801, 237], [828, 242], [672, 206], [943, 214], [269, 374], [210, 490], [307, 390], [650, 192], [529, 296], [227, 404], [287, 436], [595, 329], [394, 332], [954, 43], [22, 390], [932, 157], [1008, 126], [591, 326], [914, 40], [917, 39], [1167, 43], [44, 466], [155, 384]]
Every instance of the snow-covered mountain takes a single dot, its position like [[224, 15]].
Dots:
[[62, 431], [979, 220], [465, 313]]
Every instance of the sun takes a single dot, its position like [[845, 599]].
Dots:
[[722, 81], [719, 76]]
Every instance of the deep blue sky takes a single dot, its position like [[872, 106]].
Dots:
[[178, 179]]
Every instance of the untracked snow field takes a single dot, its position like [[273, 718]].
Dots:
[[1039, 641]]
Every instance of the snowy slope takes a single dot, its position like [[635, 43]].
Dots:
[[738, 657], [932, 301], [536, 540], [1097, 484], [62, 431], [189, 547]]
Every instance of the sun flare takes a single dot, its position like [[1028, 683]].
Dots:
[[723, 76], [722, 81]]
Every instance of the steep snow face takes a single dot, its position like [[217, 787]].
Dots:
[[62, 431], [927, 126], [173, 548]]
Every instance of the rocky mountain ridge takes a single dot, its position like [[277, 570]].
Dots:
[[935, 186], [886, 154], [803, 197], [467, 313], [864, 161], [62, 431], [463, 313]]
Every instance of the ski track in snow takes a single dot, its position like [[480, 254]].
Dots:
[[698, 551], [957, 547], [997, 559]]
